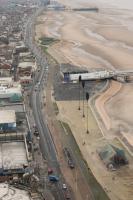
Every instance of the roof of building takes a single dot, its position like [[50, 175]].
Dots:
[[6, 80], [25, 78], [26, 64], [20, 46], [10, 192], [92, 75], [7, 116], [18, 108], [24, 54], [17, 158], [10, 90], [106, 153]]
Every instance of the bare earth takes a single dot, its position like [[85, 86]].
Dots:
[[97, 40]]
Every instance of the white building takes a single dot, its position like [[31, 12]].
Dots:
[[6, 81], [95, 75], [7, 120], [12, 93], [25, 65], [9, 192]]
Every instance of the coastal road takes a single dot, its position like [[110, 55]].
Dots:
[[46, 142]]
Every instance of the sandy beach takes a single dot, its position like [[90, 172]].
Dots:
[[96, 40], [92, 40]]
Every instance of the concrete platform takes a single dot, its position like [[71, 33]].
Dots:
[[13, 155]]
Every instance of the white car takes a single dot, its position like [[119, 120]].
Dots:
[[64, 187]]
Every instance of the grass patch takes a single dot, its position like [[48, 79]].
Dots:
[[56, 109], [46, 41], [44, 48]]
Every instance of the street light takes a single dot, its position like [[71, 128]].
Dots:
[[79, 91], [83, 85], [87, 98]]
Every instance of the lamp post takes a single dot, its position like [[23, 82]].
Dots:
[[87, 98], [83, 85], [79, 91]]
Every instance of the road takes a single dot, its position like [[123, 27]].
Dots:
[[46, 142]]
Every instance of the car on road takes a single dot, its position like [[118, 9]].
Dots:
[[64, 187], [53, 178], [34, 126], [36, 88], [69, 158], [36, 133], [71, 164], [67, 195], [50, 170], [46, 68]]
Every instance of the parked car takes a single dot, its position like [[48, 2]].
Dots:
[[64, 187], [67, 195], [50, 170], [53, 178]]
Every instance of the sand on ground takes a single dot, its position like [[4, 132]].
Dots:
[[103, 99], [96, 40], [118, 184], [93, 40]]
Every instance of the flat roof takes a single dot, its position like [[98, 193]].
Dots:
[[26, 64], [20, 46], [13, 155], [23, 54], [25, 78], [6, 80], [7, 116], [9, 192], [92, 75], [18, 108], [11, 90]]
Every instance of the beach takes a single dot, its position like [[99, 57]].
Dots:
[[97, 40]]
